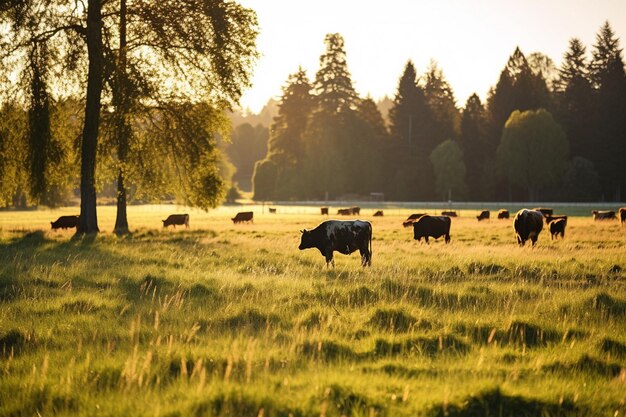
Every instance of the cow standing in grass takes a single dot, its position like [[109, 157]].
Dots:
[[503, 214], [432, 226], [622, 215], [341, 236], [64, 222], [557, 227], [603, 215], [527, 224], [176, 220], [484, 215]]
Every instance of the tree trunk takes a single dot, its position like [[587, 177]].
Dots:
[[122, 130], [88, 222]]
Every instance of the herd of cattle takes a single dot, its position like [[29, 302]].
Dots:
[[348, 236]]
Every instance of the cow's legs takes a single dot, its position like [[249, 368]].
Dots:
[[366, 256], [426, 239], [329, 258], [447, 238]]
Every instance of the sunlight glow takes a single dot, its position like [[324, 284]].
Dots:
[[470, 40]]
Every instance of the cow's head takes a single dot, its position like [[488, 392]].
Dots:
[[306, 240], [52, 225]]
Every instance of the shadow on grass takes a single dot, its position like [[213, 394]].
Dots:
[[495, 403]]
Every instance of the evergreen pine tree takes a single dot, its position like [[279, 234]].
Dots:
[[440, 99], [609, 82], [575, 100], [472, 142], [333, 84]]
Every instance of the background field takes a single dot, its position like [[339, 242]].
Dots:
[[234, 320]]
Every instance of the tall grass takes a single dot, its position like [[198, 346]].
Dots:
[[224, 320]]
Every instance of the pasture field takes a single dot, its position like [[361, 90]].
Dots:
[[225, 320]]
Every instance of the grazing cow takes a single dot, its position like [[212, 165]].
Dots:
[[550, 219], [272, 210], [449, 213], [503, 214], [243, 216], [603, 215], [432, 226], [176, 220], [324, 211], [527, 224], [64, 222], [344, 212], [544, 211], [622, 215], [484, 215], [379, 213], [340, 236], [557, 227], [411, 219], [355, 210]]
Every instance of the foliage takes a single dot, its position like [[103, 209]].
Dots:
[[447, 160], [247, 146], [442, 104], [533, 151], [575, 99], [472, 140], [333, 83], [608, 78], [581, 182], [13, 154], [205, 55], [264, 180]]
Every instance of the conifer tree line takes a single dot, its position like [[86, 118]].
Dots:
[[130, 92], [544, 133]]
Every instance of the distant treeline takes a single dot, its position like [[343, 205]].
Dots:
[[544, 133]]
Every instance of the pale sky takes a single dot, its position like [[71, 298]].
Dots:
[[470, 39]]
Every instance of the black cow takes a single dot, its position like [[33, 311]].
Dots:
[[449, 213], [484, 215], [379, 213], [557, 227], [324, 211], [355, 210], [344, 212], [603, 215], [545, 211], [64, 222], [176, 220], [341, 236], [243, 216], [503, 214], [622, 215], [527, 224], [432, 226]]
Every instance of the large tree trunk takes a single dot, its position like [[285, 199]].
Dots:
[[122, 129], [88, 216]]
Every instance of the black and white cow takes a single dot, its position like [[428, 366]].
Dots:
[[342, 236]]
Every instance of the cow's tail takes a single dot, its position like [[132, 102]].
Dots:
[[371, 233]]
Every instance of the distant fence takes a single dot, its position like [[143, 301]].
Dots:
[[573, 209]]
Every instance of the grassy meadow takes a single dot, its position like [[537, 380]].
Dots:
[[225, 320]]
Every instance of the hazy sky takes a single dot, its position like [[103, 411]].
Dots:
[[470, 39]]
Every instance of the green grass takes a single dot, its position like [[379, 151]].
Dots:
[[223, 320]]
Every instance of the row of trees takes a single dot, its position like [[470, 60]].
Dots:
[[124, 88], [543, 133]]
